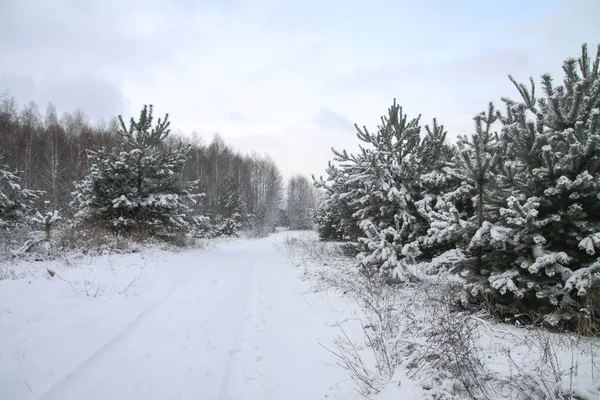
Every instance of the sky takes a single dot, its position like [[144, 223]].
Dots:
[[285, 77]]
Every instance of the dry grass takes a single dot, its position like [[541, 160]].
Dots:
[[451, 353], [71, 240]]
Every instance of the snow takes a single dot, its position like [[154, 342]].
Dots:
[[258, 319], [229, 322], [590, 243]]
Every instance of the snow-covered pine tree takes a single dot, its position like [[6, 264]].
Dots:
[[384, 176], [333, 215], [233, 208], [16, 203], [47, 221], [138, 187], [480, 155], [542, 244], [390, 191], [455, 192], [443, 199]]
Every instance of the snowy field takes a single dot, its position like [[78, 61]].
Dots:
[[233, 321], [284, 317]]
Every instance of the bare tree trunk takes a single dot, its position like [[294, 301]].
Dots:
[[479, 222]]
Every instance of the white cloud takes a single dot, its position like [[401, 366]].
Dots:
[[288, 77]]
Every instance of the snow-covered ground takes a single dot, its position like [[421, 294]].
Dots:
[[414, 335], [233, 321], [284, 317]]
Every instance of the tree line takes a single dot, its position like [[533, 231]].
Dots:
[[49, 157]]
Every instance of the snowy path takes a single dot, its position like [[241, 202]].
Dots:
[[234, 322]]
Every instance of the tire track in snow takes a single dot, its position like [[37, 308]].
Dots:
[[233, 327], [50, 393], [226, 383]]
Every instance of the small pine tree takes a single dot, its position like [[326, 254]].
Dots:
[[384, 197], [48, 221], [138, 188], [442, 198], [16, 203], [378, 184], [233, 208], [334, 215], [480, 155]]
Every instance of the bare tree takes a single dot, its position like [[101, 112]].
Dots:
[[301, 199]]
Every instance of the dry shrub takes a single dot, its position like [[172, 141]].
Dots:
[[452, 353]]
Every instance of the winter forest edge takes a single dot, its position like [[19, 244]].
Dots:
[[513, 208]]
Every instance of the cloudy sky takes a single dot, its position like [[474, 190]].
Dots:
[[287, 77]]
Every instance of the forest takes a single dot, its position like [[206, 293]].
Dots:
[[47, 155]]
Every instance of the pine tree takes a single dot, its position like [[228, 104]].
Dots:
[[375, 186], [334, 215], [480, 155], [16, 203], [48, 220], [233, 208], [386, 195], [138, 188], [389, 215], [541, 241], [442, 198]]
